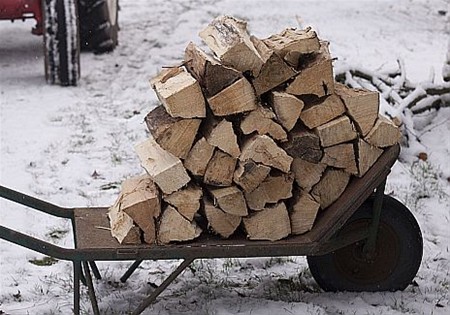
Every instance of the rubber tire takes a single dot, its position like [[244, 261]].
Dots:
[[99, 24], [61, 42], [396, 262]]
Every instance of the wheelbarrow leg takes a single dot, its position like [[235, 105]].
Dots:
[[81, 276], [91, 290], [76, 287], [370, 245], [95, 270], [151, 298], [130, 270]]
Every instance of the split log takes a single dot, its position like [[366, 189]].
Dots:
[[274, 70], [384, 133], [139, 198], [237, 98], [230, 199], [307, 174], [272, 223], [122, 226], [341, 156], [199, 156], [165, 169], [303, 214], [262, 149], [362, 106], [292, 43], [315, 77], [367, 156], [249, 175], [273, 189], [220, 169], [262, 121], [186, 201], [173, 227], [219, 221], [211, 74], [336, 131], [303, 144], [330, 187], [287, 108], [180, 93], [221, 135], [314, 115], [175, 135], [230, 41]]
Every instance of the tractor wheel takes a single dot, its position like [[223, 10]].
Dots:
[[61, 43], [99, 24], [392, 266]]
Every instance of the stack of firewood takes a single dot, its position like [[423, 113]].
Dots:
[[258, 138]]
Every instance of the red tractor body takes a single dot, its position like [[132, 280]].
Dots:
[[21, 10], [67, 26]]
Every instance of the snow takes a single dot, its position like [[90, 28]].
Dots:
[[54, 139]]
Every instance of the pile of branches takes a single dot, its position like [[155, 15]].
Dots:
[[400, 99]]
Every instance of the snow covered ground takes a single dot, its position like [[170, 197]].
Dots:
[[73, 146]]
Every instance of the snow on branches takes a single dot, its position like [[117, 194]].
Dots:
[[400, 99]]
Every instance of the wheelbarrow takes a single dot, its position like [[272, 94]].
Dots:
[[365, 241]]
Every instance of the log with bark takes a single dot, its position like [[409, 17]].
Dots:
[[180, 93], [263, 149], [211, 74], [304, 213], [220, 169], [317, 113], [186, 201], [262, 121], [198, 158], [230, 41], [262, 226], [173, 227], [219, 221], [176, 135], [273, 189], [248, 175], [287, 108], [135, 210], [315, 75], [237, 98], [293, 44], [165, 169], [274, 70]]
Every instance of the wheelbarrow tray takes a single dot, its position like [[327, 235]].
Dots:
[[93, 240], [91, 231]]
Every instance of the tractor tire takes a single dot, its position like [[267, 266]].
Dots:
[[99, 24], [61, 42], [392, 267]]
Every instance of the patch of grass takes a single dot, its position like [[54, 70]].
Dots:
[[230, 263], [57, 233], [112, 185], [426, 182], [45, 261], [116, 159], [273, 261]]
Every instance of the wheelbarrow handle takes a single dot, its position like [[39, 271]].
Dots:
[[35, 203], [37, 244]]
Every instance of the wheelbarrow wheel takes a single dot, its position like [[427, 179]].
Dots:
[[61, 43], [99, 24], [390, 267]]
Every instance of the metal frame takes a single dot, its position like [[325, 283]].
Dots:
[[322, 239]]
